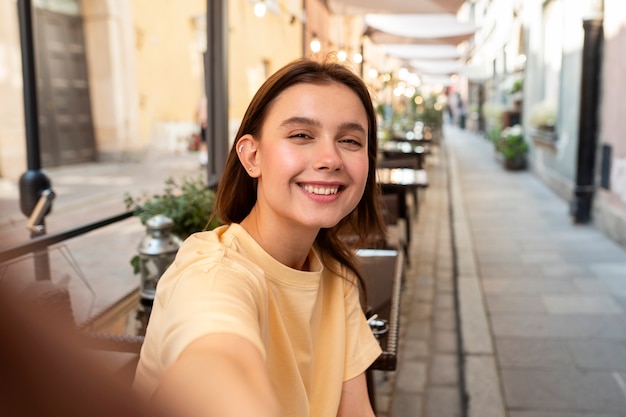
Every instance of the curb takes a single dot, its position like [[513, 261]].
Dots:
[[482, 382]]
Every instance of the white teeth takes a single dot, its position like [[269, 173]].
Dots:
[[319, 190]]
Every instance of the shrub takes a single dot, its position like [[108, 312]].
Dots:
[[511, 143]]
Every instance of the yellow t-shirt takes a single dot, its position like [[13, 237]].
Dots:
[[308, 325]]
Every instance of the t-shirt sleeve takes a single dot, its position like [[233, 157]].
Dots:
[[220, 298], [362, 348]]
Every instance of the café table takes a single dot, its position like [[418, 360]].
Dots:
[[403, 149]]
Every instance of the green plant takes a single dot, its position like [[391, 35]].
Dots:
[[494, 134], [188, 202], [517, 86], [511, 143]]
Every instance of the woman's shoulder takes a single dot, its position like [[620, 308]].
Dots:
[[215, 252]]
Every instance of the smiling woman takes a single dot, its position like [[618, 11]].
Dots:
[[262, 316]]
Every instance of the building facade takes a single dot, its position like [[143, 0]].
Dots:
[[118, 78], [532, 55]]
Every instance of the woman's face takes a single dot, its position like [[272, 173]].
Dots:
[[311, 161]]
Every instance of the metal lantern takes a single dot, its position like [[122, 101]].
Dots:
[[157, 250]]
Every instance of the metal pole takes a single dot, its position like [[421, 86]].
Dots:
[[27, 44], [34, 184], [216, 86], [581, 204]]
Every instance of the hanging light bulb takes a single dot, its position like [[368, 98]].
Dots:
[[342, 55], [357, 58], [316, 45], [260, 8]]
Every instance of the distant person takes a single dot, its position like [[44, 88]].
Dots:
[[201, 116], [261, 316]]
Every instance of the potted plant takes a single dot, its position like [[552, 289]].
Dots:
[[512, 147], [188, 202]]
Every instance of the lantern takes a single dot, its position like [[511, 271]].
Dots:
[[157, 250]]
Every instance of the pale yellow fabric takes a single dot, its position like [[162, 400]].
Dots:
[[309, 326]]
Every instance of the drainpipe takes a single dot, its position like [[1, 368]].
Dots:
[[216, 89], [581, 204]]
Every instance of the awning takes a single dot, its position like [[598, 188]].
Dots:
[[361, 7], [417, 29]]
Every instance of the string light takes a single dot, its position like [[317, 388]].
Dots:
[[316, 45], [260, 9], [342, 55]]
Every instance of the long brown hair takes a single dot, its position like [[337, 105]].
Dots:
[[237, 191]]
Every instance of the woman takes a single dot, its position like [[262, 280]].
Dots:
[[261, 317]]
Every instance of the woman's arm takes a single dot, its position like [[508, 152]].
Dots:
[[218, 375], [355, 401]]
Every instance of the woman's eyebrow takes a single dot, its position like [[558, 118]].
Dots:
[[300, 120]]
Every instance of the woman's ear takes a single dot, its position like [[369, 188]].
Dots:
[[247, 153]]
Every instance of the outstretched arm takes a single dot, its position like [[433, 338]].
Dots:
[[220, 375], [354, 399]]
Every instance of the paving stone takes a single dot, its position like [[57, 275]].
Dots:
[[407, 405], [411, 349], [411, 377], [528, 286], [532, 303], [443, 402], [444, 320], [509, 271], [546, 326], [598, 355], [445, 341], [592, 286], [580, 304], [444, 370], [533, 353], [563, 390]]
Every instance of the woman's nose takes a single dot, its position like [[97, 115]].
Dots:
[[327, 156]]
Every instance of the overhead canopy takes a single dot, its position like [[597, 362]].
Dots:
[[417, 29], [361, 7], [422, 33]]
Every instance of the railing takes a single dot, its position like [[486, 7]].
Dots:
[[41, 243]]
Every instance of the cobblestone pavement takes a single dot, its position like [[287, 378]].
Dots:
[[427, 381]]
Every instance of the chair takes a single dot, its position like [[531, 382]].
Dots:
[[396, 226]]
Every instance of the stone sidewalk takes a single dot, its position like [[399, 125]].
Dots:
[[542, 300], [534, 302]]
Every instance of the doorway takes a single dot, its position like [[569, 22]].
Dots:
[[65, 120]]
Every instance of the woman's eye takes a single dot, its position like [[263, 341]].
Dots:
[[352, 142], [299, 136]]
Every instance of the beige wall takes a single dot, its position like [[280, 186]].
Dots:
[[169, 69], [110, 60], [12, 141], [257, 48]]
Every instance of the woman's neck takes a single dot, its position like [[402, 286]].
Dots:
[[287, 246]]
